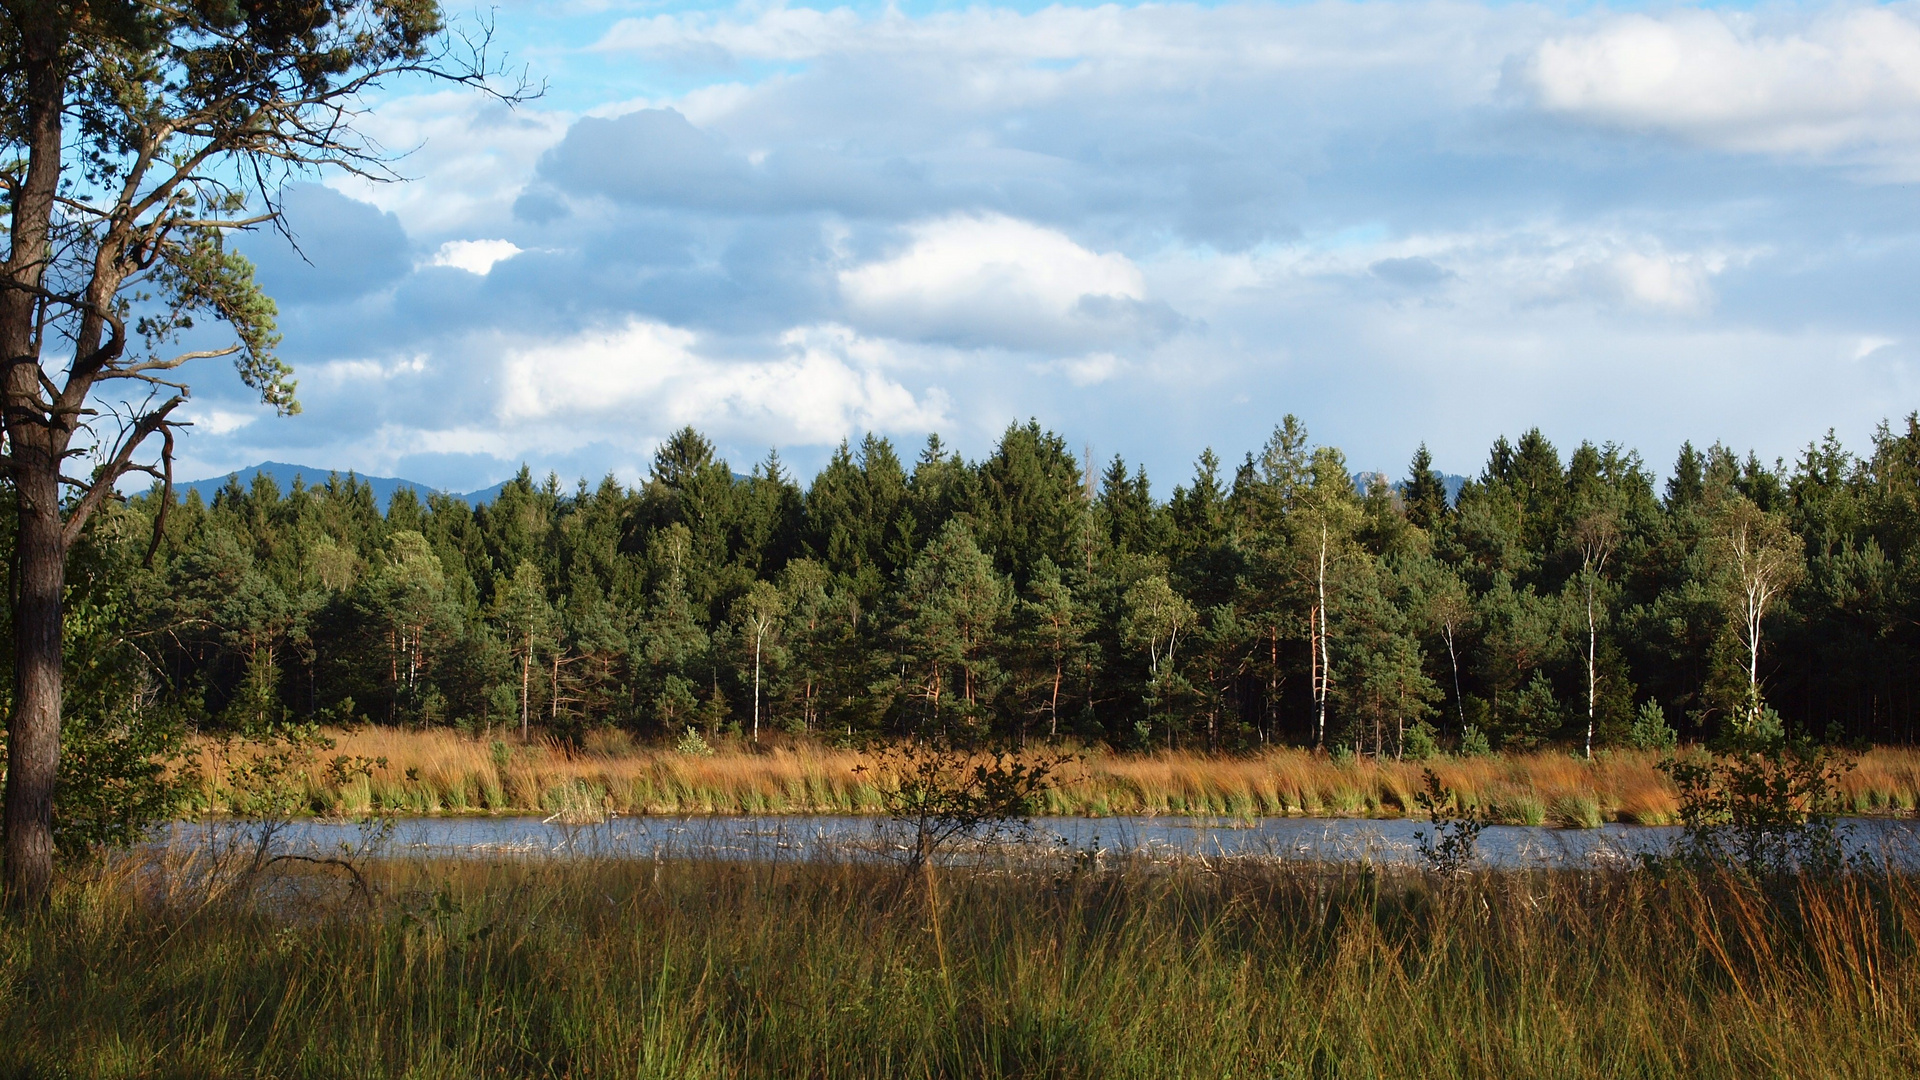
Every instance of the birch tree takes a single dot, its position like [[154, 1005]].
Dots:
[[759, 613], [525, 618], [1156, 618], [1322, 525], [1596, 534], [1760, 559]]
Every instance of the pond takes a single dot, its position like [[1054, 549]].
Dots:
[[783, 837]]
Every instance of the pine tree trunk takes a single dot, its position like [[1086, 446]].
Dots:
[[1053, 706], [33, 731]]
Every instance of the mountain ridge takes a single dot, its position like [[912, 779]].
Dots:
[[284, 474]]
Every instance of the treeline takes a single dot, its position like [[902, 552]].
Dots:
[[1574, 600]]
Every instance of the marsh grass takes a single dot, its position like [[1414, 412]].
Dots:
[[442, 771], [1069, 968]]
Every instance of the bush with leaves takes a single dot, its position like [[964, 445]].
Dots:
[[693, 745], [123, 763], [1455, 841], [1766, 807], [947, 786]]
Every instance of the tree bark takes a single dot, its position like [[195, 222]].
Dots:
[[526, 685], [36, 447], [1593, 682], [1459, 702], [33, 731], [1053, 705], [1325, 662]]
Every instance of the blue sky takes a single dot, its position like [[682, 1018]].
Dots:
[[1156, 228]]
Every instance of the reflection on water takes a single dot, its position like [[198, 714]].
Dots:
[[777, 837]]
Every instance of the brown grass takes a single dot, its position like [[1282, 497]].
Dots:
[[1216, 968], [444, 772]]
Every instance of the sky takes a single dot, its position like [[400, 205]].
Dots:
[[1154, 228]]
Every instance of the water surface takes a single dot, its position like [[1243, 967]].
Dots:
[[801, 837]]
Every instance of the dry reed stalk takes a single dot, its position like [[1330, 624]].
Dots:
[[458, 773]]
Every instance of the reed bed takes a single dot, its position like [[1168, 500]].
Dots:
[[1204, 969], [445, 772]]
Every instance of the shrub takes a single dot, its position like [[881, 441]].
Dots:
[[1455, 842], [1763, 807], [1421, 742], [1650, 730], [1473, 743]]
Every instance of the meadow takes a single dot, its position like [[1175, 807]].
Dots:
[[438, 771], [1067, 968]]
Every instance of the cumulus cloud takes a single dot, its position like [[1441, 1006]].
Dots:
[[990, 280], [346, 248], [474, 256], [659, 158], [464, 157], [1662, 282], [823, 383], [1846, 79], [1154, 227]]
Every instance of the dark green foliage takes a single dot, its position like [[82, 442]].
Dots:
[[1020, 596]]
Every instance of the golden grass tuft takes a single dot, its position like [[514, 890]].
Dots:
[[445, 772]]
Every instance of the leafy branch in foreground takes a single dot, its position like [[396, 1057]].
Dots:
[[1764, 806], [945, 787], [1455, 842]]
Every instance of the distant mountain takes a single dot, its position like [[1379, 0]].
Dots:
[[1451, 481], [284, 474], [384, 486]]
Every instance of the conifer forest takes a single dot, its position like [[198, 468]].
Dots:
[[1581, 597]]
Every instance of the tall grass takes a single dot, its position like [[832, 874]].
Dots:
[[444, 772], [1224, 969]]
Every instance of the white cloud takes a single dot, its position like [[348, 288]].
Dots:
[[216, 421], [1846, 79], [1663, 282], [474, 256], [825, 383], [992, 280], [1392, 218], [1091, 369], [1178, 40], [1867, 346], [346, 372], [1542, 263], [465, 156]]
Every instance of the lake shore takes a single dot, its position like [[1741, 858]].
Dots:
[[436, 772]]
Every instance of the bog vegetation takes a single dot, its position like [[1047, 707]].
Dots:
[[1582, 602], [1073, 968], [391, 771]]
